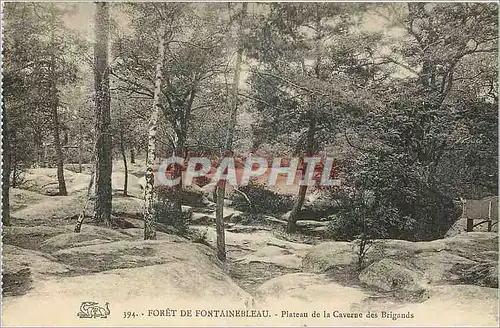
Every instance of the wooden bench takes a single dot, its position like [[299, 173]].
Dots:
[[485, 209]]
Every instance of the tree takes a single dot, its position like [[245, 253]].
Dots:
[[6, 151], [419, 149], [149, 215], [39, 64], [55, 119], [103, 161], [194, 62], [228, 146], [310, 71]]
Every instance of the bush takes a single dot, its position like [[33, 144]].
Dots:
[[167, 213], [199, 237], [394, 194], [262, 199]]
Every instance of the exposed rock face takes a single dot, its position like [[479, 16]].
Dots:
[[21, 266], [309, 288], [437, 260], [327, 255], [390, 275], [44, 257], [44, 181]]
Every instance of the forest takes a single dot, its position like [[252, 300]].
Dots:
[[402, 96]]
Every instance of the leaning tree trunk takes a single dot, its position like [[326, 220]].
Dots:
[[5, 171], [81, 217], [221, 187], [103, 189], [55, 122], [124, 157], [149, 215], [292, 216]]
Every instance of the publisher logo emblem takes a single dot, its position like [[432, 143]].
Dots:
[[93, 310]]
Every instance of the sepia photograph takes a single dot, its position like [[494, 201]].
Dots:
[[249, 164]]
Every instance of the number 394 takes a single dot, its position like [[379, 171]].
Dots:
[[129, 314]]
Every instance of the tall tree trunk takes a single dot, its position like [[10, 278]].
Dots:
[[6, 169], [292, 216], [103, 191], [55, 122], [58, 149], [124, 157], [176, 196], [132, 155], [80, 144], [13, 162], [221, 187], [149, 215]]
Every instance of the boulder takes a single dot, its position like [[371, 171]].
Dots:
[[171, 275], [44, 181], [130, 254], [327, 255], [20, 198], [88, 235], [439, 266], [482, 274], [49, 210], [21, 267], [134, 185], [390, 275], [31, 237], [278, 256], [456, 305], [17, 258], [319, 207], [304, 289]]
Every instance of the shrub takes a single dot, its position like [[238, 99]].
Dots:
[[394, 194], [167, 213], [262, 199], [199, 237]]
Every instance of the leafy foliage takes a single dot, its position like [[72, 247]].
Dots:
[[262, 199]]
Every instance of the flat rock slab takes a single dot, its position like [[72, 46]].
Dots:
[[275, 255], [308, 289]]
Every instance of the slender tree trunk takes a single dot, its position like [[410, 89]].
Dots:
[[45, 160], [219, 221], [80, 145], [221, 188], [124, 157], [6, 170], [13, 163], [132, 155], [81, 217], [103, 191], [299, 202], [90, 197], [55, 122], [149, 215], [176, 200], [292, 216], [59, 152]]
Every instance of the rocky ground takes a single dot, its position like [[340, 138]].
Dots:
[[48, 270]]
